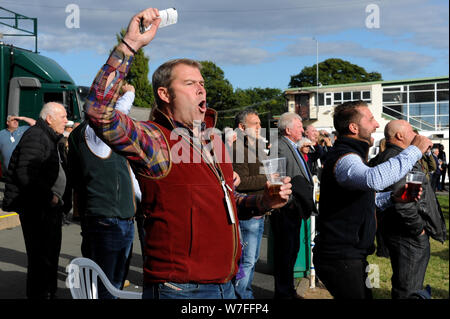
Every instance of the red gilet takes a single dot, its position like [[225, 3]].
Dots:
[[189, 237]]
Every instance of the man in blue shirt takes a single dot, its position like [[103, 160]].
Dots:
[[347, 225], [10, 137]]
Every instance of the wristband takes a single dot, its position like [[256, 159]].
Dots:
[[129, 47]]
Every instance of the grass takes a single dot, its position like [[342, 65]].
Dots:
[[437, 275]]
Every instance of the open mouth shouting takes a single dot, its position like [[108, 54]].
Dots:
[[202, 106]]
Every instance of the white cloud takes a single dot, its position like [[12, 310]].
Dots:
[[255, 31]]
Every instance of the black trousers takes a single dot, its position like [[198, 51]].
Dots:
[[409, 260], [344, 278], [42, 235], [286, 240]]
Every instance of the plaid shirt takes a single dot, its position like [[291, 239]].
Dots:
[[142, 143]]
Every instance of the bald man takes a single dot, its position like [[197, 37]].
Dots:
[[36, 188], [406, 227]]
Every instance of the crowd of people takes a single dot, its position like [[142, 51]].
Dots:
[[200, 212]]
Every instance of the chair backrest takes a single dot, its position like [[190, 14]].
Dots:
[[82, 281]]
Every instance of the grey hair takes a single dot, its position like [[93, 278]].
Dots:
[[286, 120], [49, 108], [303, 141], [11, 115]]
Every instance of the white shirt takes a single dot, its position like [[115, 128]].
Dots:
[[99, 148]]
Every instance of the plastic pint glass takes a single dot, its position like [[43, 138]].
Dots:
[[275, 170]]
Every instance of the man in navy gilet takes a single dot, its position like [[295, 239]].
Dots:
[[347, 225]]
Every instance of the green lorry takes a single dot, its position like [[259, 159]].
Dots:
[[28, 80]]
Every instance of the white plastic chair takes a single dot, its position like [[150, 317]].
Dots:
[[82, 281]]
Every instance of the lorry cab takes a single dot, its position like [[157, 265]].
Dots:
[[28, 80]]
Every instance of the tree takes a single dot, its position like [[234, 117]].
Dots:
[[333, 71], [219, 91], [138, 77], [268, 102], [265, 101]]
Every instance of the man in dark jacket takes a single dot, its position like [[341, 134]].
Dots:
[[36, 184], [248, 154], [407, 226], [287, 222], [347, 226]]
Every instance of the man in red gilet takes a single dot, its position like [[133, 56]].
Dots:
[[185, 175]]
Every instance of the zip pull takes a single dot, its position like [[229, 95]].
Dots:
[[228, 202]]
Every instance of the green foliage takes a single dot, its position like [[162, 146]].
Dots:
[[219, 91], [333, 71], [267, 102], [228, 103], [138, 77]]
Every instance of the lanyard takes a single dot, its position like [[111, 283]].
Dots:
[[211, 162]]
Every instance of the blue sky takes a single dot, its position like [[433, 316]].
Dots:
[[257, 43]]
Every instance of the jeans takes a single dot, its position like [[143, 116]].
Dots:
[[409, 259], [251, 232], [108, 242], [173, 290], [344, 278]]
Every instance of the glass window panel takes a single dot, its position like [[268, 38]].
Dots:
[[421, 97], [443, 121], [356, 95], [328, 101], [421, 87], [394, 97], [442, 95], [347, 96], [421, 109], [442, 109], [394, 110], [442, 85], [321, 99], [338, 96], [392, 89], [366, 95]]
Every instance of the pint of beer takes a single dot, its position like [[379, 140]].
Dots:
[[414, 180], [275, 170]]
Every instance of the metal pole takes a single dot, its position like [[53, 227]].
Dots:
[[317, 73]]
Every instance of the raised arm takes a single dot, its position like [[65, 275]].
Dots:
[[141, 142]]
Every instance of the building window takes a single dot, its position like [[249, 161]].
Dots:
[[356, 95], [442, 95], [421, 87], [338, 97], [441, 86], [394, 98], [419, 97], [328, 98], [321, 99], [366, 95]]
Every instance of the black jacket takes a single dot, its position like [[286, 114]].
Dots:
[[409, 219], [33, 170]]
